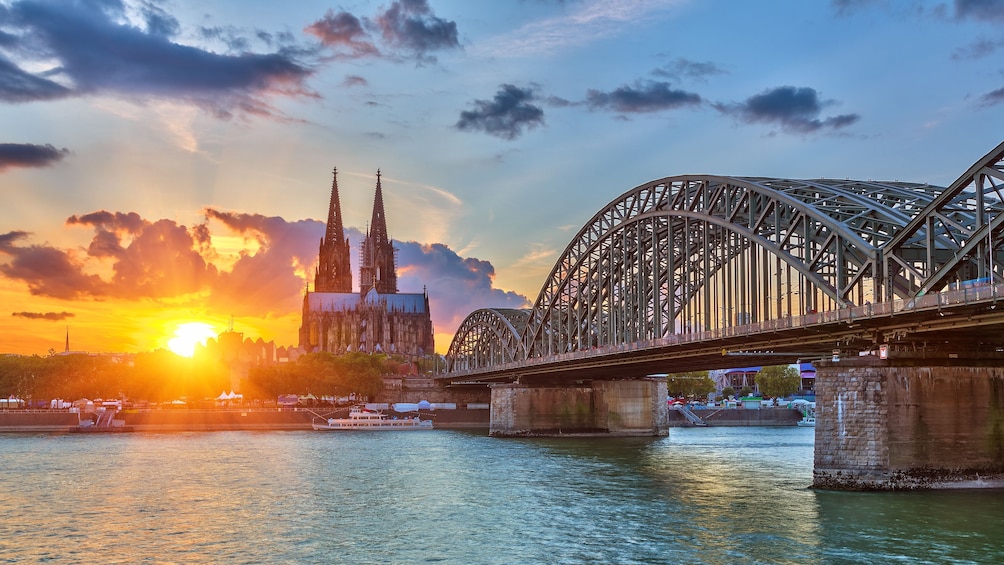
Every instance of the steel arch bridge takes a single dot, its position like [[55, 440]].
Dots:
[[689, 254]]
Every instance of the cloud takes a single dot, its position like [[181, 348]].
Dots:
[[271, 279], [411, 26], [29, 155], [796, 110], [992, 98], [407, 29], [457, 286], [53, 316], [643, 97], [47, 271], [343, 31], [505, 116], [90, 48], [149, 259], [984, 10]]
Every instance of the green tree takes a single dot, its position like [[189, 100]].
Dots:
[[693, 383], [778, 380], [728, 391]]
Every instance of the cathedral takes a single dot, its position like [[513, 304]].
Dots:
[[377, 318]]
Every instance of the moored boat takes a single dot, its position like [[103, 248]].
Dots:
[[362, 419], [807, 422]]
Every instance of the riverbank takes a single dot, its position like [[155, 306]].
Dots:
[[187, 420]]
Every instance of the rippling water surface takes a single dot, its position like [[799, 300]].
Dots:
[[713, 495]]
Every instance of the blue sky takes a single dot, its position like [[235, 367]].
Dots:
[[172, 159]]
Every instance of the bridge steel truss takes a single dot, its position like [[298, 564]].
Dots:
[[693, 253]]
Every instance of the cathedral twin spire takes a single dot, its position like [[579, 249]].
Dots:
[[378, 256], [333, 271]]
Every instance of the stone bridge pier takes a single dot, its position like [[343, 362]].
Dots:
[[601, 408], [891, 424]]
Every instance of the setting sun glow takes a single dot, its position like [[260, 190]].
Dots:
[[187, 335]]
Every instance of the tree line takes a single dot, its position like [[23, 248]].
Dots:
[[772, 381], [161, 376]]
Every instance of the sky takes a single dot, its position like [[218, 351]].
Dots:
[[168, 162]]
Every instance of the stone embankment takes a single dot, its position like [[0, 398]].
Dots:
[[738, 417], [184, 420]]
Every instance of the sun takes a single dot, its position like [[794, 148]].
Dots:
[[187, 335]]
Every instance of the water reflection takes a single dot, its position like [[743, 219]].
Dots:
[[715, 495]]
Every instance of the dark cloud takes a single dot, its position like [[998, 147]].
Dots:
[[47, 271], [457, 286], [53, 316], [89, 51], [993, 98], [796, 110], [986, 10], [17, 85], [29, 155], [505, 116], [159, 22], [343, 31], [685, 68], [410, 25], [642, 97]]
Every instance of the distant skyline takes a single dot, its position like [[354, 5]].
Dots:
[[169, 162]]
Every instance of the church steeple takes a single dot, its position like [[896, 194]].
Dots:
[[334, 274], [379, 261]]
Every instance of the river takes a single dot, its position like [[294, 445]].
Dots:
[[702, 495]]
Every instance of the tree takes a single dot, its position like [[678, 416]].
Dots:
[[728, 392], [693, 383], [778, 380]]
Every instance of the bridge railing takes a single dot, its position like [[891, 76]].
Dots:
[[962, 296]]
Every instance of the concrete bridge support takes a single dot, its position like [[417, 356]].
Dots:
[[602, 408], [909, 424]]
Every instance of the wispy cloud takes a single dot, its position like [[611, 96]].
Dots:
[[591, 21]]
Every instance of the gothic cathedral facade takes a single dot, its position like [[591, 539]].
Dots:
[[378, 318]]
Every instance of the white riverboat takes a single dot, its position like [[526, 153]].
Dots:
[[807, 422], [362, 419]]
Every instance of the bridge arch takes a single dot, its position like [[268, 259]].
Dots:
[[488, 337], [698, 252]]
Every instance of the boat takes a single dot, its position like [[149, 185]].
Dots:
[[362, 419], [807, 422]]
